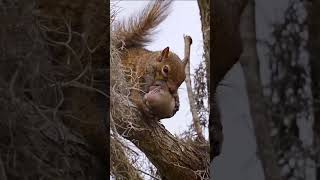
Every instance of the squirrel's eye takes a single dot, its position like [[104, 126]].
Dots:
[[165, 70]]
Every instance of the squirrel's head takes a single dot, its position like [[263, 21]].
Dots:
[[171, 69]]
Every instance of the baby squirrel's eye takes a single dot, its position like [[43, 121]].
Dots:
[[165, 70]]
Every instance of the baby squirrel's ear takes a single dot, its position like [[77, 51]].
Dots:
[[164, 54]]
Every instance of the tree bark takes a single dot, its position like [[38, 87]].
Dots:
[[225, 43], [250, 64]]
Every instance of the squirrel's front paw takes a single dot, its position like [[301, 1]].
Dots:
[[177, 103]]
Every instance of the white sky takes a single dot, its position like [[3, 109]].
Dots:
[[184, 18]]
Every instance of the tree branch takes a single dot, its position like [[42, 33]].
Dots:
[[174, 158], [193, 108]]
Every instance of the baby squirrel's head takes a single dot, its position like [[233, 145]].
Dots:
[[171, 69]]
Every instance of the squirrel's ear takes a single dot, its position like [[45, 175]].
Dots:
[[165, 52]]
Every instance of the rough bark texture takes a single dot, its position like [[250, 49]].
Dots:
[[46, 132], [226, 47], [313, 10], [174, 159], [250, 64]]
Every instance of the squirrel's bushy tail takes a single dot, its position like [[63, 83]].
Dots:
[[137, 31]]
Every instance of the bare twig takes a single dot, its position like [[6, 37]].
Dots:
[[85, 87], [149, 174], [193, 108]]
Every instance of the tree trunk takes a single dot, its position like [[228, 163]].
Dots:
[[250, 64], [225, 43], [313, 10]]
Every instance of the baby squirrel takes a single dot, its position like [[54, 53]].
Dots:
[[160, 101], [157, 75]]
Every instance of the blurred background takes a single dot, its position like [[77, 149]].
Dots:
[[270, 99]]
